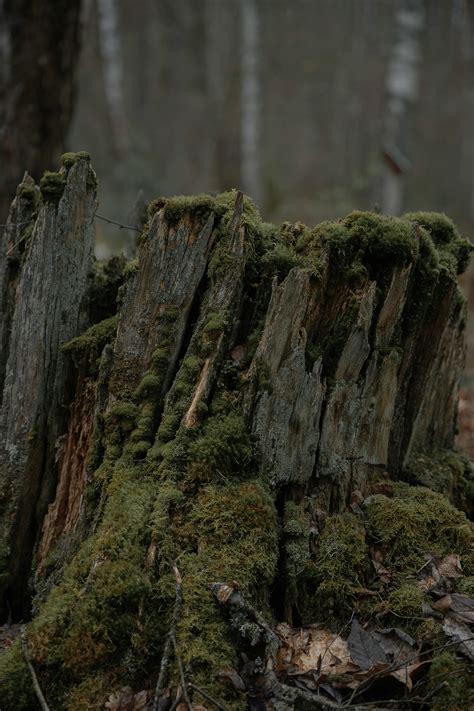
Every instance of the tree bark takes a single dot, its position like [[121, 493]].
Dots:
[[258, 388], [39, 45]]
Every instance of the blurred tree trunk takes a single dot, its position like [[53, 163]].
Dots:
[[250, 100], [39, 47], [401, 89]]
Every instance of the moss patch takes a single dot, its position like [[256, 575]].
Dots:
[[52, 186], [69, 159]]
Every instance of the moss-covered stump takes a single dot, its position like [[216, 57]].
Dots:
[[260, 409]]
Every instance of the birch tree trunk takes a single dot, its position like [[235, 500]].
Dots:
[[250, 98], [240, 426], [401, 88]]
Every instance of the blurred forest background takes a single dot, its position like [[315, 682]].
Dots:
[[313, 107]]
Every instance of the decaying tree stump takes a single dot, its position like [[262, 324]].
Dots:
[[257, 405]]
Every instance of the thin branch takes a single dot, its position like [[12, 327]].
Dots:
[[34, 678], [181, 673], [208, 697], [165, 659], [119, 224]]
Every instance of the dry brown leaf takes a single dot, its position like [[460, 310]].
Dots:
[[450, 566], [224, 592], [443, 605], [309, 648]]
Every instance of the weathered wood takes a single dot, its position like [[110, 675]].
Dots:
[[255, 383], [49, 308]]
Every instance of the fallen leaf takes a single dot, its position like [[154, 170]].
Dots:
[[459, 632], [450, 566], [463, 607], [443, 605], [365, 650]]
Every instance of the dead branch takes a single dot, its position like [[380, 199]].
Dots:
[[165, 659], [207, 696], [34, 678]]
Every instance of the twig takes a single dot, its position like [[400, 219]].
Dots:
[[181, 673], [207, 696], [165, 659], [34, 678], [119, 224]]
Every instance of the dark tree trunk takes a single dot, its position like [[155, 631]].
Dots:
[[246, 416], [39, 46]]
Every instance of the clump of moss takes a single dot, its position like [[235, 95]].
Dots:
[[92, 341], [454, 250], [406, 602], [70, 158], [52, 186], [448, 472], [214, 326], [149, 387], [198, 206], [415, 521], [279, 261]]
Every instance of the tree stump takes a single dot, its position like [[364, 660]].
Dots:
[[245, 404]]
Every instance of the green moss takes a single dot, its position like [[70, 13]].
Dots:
[[52, 186], [406, 602], [296, 532], [341, 561], [454, 249], [27, 190], [160, 359], [197, 206], [92, 341], [279, 261], [466, 586], [215, 324], [149, 387], [69, 159], [16, 688], [168, 427], [224, 445], [448, 472], [416, 521], [457, 694]]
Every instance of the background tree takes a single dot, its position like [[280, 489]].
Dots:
[[39, 49]]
